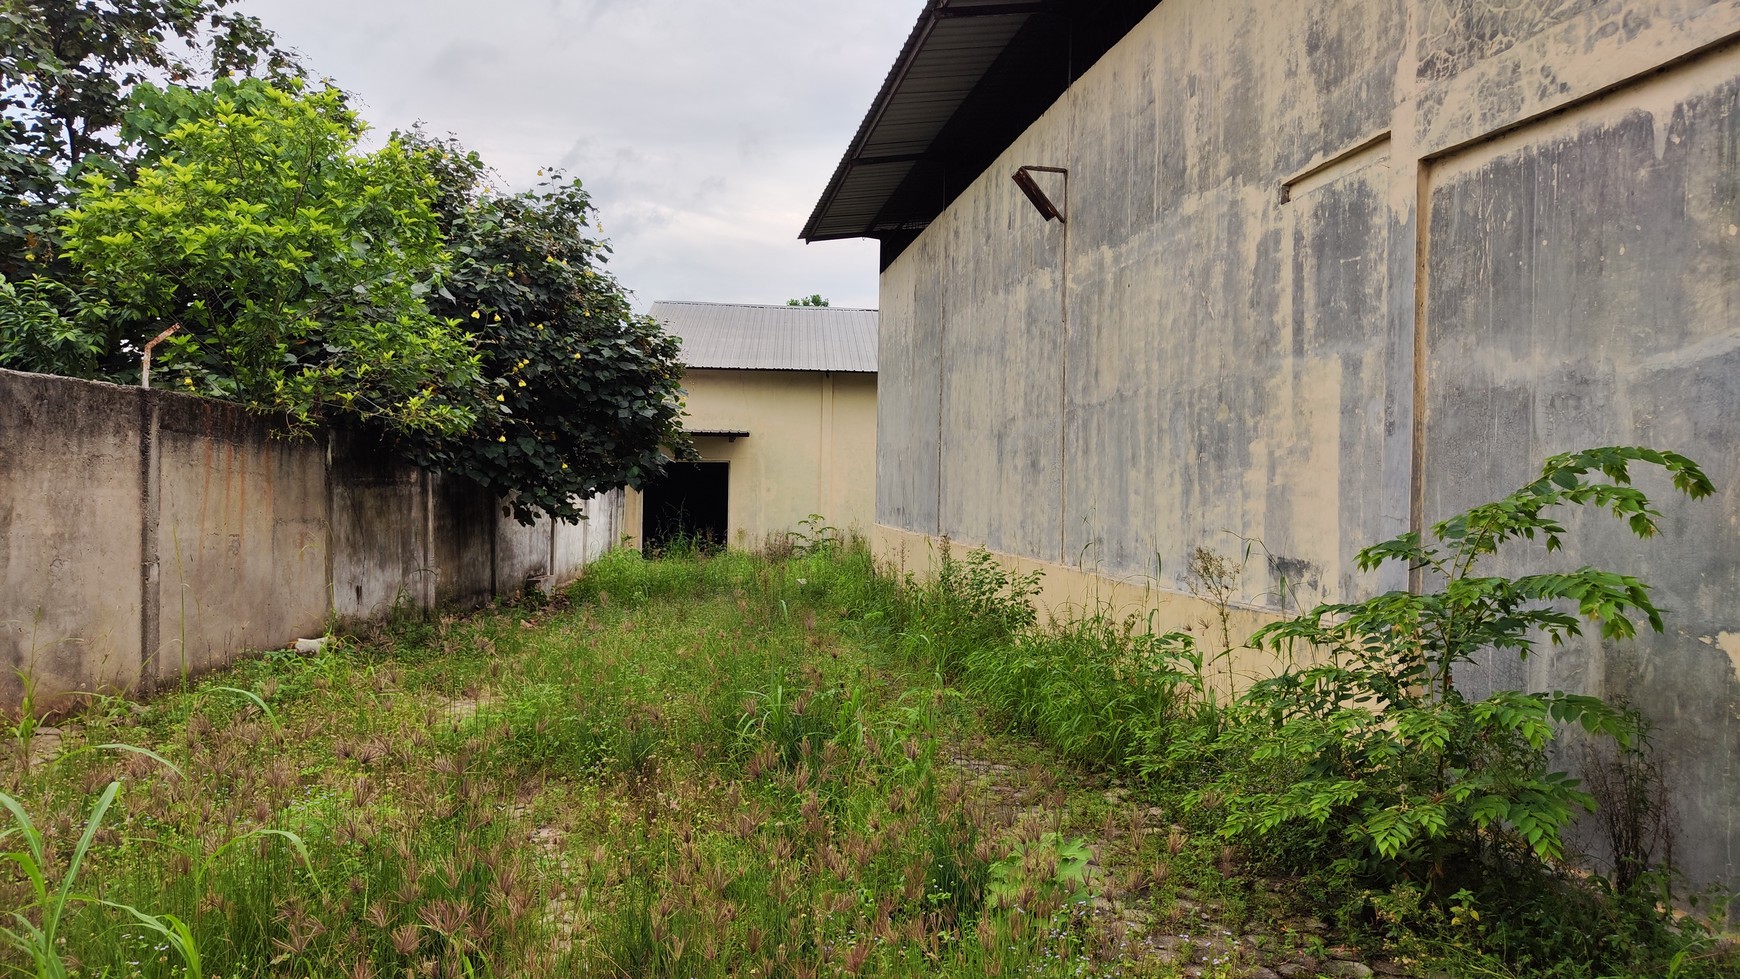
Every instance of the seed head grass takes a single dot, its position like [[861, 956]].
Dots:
[[707, 765], [704, 765]]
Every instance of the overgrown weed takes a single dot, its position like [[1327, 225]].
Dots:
[[695, 766], [725, 764]]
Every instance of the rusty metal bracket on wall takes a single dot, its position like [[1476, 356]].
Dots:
[[1023, 178]]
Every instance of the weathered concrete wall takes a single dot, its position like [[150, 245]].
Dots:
[[69, 464], [381, 532], [240, 543], [147, 535], [811, 447], [1337, 269], [578, 545], [1217, 360], [464, 521]]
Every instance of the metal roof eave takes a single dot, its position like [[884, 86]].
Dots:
[[783, 370], [973, 75], [935, 13]]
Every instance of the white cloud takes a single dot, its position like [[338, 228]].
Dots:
[[705, 131]]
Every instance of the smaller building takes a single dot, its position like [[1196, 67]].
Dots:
[[781, 404]]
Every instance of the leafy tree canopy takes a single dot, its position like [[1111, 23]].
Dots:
[[478, 331], [66, 70], [297, 268], [581, 394], [813, 299]]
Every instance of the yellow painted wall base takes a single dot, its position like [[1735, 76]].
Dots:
[[1070, 593]]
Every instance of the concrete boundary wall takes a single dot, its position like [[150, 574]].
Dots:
[[149, 535]]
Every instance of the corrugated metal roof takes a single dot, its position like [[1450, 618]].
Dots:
[[776, 338], [972, 75], [944, 58]]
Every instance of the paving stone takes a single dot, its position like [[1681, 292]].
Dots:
[[1137, 917], [1169, 949], [44, 746]]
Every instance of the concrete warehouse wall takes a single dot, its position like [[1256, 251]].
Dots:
[[146, 535], [811, 447], [1337, 269]]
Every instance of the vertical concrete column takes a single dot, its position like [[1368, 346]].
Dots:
[[150, 514], [551, 569], [431, 570], [331, 524]]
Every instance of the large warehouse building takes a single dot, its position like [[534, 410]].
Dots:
[[1312, 274]]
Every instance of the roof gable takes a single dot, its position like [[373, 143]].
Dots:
[[781, 338]]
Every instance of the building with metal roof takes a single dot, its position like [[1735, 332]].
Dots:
[[781, 405], [726, 336], [1157, 276]]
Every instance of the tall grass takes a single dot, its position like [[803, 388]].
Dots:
[[705, 766], [1108, 693], [711, 765]]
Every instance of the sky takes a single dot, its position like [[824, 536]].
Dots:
[[704, 130]]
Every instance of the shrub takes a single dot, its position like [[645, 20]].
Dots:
[[580, 395], [971, 605], [49, 328], [1384, 754]]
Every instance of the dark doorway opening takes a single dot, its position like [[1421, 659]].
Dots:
[[687, 507]]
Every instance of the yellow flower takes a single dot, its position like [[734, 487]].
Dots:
[[501, 438], [501, 397], [522, 384], [476, 315]]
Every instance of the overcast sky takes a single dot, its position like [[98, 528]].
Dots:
[[704, 130]]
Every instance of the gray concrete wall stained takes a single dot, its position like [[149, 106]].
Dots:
[[72, 613], [148, 535], [241, 542], [1335, 269]]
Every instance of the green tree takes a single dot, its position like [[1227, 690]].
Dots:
[[813, 299], [66, 70], [581, 394], [296, 267]]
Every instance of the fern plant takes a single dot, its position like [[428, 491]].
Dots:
[[1376, 744]]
